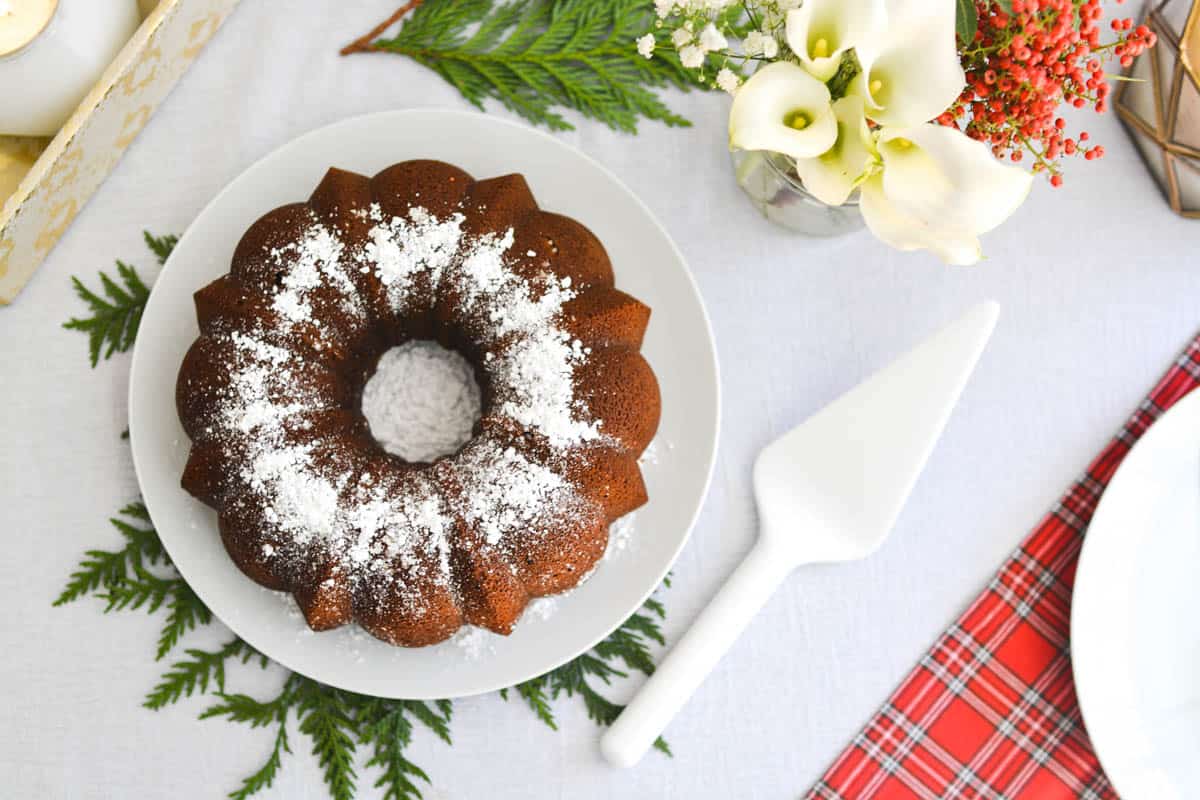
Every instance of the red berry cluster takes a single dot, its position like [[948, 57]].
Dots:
[[1023, 65]]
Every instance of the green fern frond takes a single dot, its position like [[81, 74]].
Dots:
[[264, 776], [102, 570], [537, 57], [436, 721], [246, 710], [143, 590], [200, 670], [161, 246], [325, 719], [115, 316], [185, 611], [388, 737], [384, 728], [534, 693], [628, 645], [98, 568], [116, 309]]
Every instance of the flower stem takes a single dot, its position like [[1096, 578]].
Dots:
[[363, 43]]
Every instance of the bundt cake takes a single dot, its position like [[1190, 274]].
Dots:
[[270, 395]]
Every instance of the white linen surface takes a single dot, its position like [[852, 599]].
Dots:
[[1099, 285]]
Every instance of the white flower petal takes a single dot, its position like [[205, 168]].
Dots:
[[902, 230], [912, 71], [833, 175], [821, 30], [752, 45], [645, 45], [728, 81], [691, 56], [768, 106], [712, 39], [940, 173]]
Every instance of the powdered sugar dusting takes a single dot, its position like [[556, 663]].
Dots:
[[311, 262], [422, 402], [473, 641], [504, 492], [536, 372], [400, 249]]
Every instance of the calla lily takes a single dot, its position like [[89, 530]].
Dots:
[[783, 108], [911, 72], [833, 175], [939, 189], [821, 30]]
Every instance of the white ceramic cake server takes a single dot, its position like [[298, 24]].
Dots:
[[828, 490]]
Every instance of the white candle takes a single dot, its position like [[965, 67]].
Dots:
[[21, 21], [51, 52]]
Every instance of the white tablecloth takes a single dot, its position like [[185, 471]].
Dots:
[[1099, 284]]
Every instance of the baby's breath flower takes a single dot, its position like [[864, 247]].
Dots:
[[691, 57], [645, 45], [752, 45], [713, 39], [760, 43], [728, 80], [680, 37], [664, 8]]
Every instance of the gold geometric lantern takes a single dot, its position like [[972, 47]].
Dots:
[[1161, 107]]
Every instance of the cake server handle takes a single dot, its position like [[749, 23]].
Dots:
[[696, 654]]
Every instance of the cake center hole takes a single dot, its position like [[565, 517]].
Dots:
[[422, 402]]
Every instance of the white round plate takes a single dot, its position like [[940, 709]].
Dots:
[[678, 345], [1135, 641]]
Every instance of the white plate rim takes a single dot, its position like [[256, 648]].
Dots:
[[711, 437], [1085, 638]]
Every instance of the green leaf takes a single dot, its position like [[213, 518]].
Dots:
[[1005, 6], [965, 20], [538, 57]]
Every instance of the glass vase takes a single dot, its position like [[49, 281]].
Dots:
[[771, 183]]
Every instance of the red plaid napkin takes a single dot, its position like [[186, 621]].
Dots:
[[990, 711]]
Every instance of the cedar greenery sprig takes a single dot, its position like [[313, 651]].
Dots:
[[538, 56], [337, 723], [116, 310], [102, 569], [124, 579], [198, 671]]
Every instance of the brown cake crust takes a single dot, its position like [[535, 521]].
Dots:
[[452, 546]]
